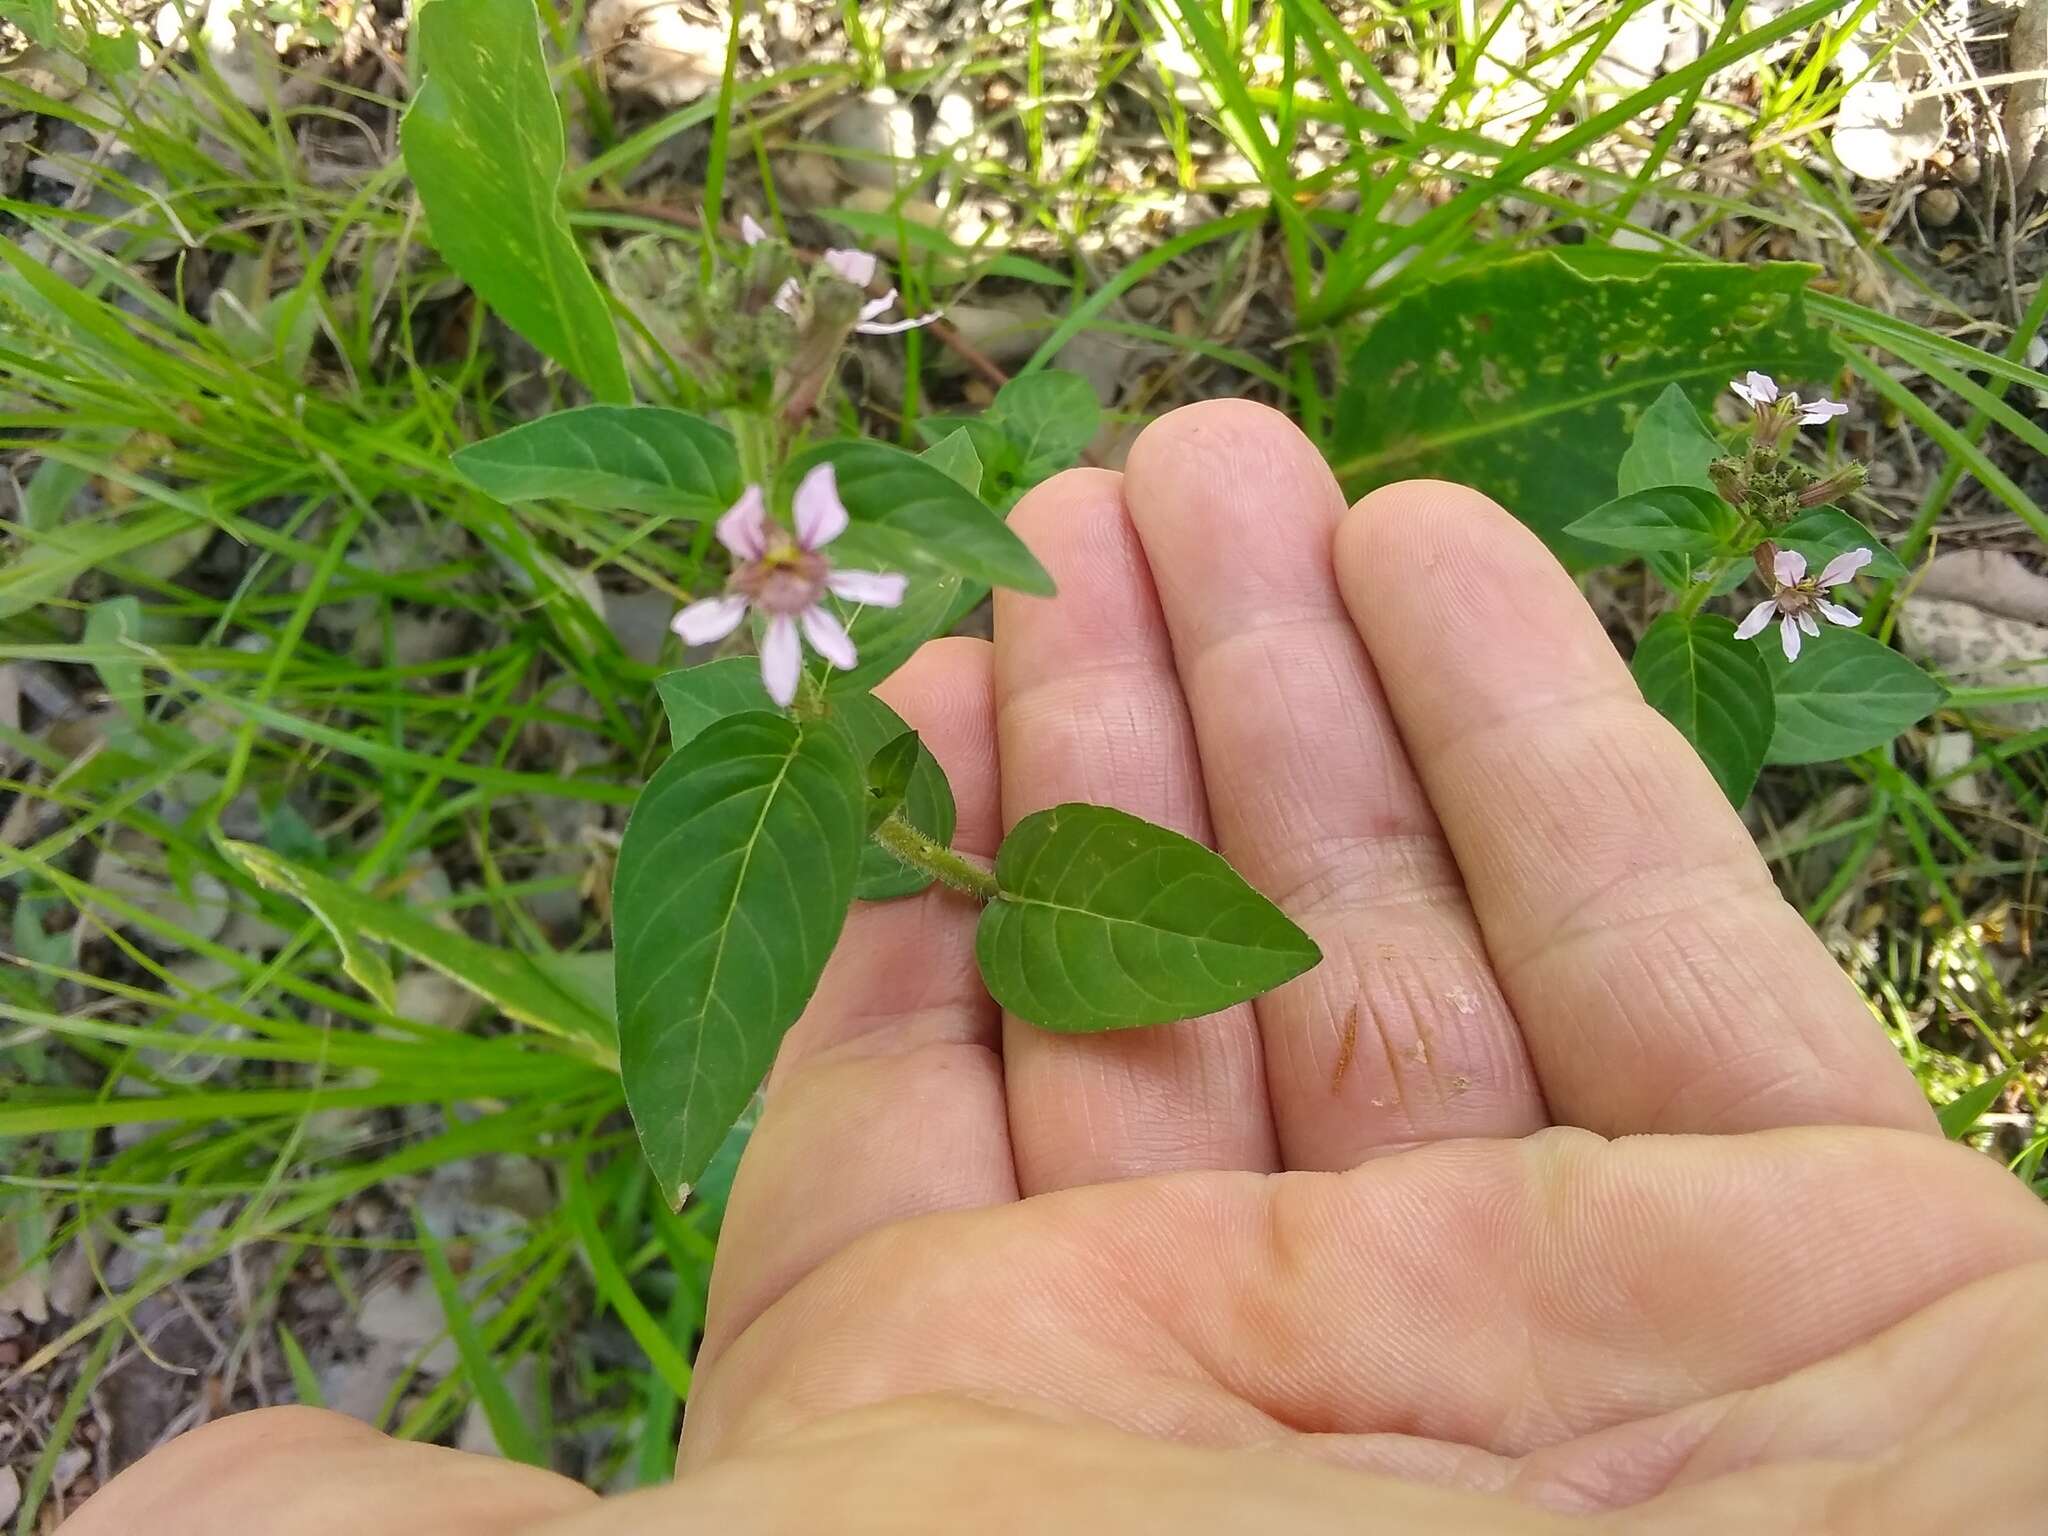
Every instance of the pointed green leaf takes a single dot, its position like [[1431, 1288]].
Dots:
[[1960, 1115], [1106, 921], [696, 698], [646, 458], [866, 725], [483, 144], [1845, 694], [734, 878], [541, 991], [889, 772], [1714, 688], [910, 515], [1671, 446], [1682, 519], [1678, 572], [1825, 532], [1051, 416], [955, 454]]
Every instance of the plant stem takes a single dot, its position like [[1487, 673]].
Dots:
[[935, 859]]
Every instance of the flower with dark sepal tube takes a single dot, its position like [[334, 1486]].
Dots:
[[783, 576], [1797, 597]]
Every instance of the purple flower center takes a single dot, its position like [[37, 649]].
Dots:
[[785, 580]]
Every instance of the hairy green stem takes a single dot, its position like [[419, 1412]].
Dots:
[[936, 859]]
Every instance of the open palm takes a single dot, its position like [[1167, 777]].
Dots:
[[1576, 1171]]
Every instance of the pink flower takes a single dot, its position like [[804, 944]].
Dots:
[[858, 268], [1799, 596], [1759, 391], [750, 229], [784, 578]]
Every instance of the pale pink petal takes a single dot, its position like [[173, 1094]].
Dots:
[[1813, 412], [1790, 566], [1835, 613], [881, 306], [789, 297], [1753, 388], [894, 327], [1808, 622], [1844, 567], [829, 638], [750, 229], [1759, 616], [1788, 636], [820, 514], [711, 619], [878, 589], [744, 528], [855, 267], [782, 659]]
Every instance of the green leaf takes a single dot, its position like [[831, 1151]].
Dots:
[[910, 515], [734, 879], [955, 454], [646, 458], [866, 725], [1714, 688], [696, 698], [1681, 519], [518, 986], [1825, 532], [1051, 416], [889, 772], [1960, 1115], [59, 556], [1670, 446], [114, 621], [1106, 921], [1845, 694], [1521, 376], [1678, 571], [483, 143], [509, 1428]]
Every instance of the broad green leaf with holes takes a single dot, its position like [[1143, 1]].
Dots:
[[1670, 446], [1826, 532], [484, 147], [1714, 688], [646, 458], [909, 515], [1845, 694], [1524, 376], [734, 879], [1106, 921], [1673, 519]]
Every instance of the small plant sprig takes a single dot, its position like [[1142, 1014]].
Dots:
[[1706, 518], [792, 790]]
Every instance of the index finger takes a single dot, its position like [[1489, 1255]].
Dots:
[[1661, 982]]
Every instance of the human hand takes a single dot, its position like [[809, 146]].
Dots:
[[1349, 1220], [976, 1272]]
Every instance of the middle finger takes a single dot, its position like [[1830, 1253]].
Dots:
[[1401, 1034]]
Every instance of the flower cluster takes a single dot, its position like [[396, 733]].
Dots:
[[782, 575], [855, 267], [1774, 491]]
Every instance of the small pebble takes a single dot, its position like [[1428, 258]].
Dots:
[[1939, 206], [1967, 170]]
